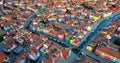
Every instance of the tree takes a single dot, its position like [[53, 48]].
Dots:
[[117, 41], [4, 62], [1, 38]]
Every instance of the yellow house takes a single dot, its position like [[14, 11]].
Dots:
[[106, 14], [96, 17], [72, 41]]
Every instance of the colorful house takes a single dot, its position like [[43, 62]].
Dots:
[[96, 17], [108, 54]]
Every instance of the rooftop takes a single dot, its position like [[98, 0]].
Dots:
[[56, 28], [2, 56], [109, 52]]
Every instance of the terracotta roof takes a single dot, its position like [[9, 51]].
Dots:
[[23, 56], [37, 43], [2, 56], [65, 53], [52, 58], [88, 60], [47, 60], [118, 4], [109, 52], [113, 45], [96, 15]]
